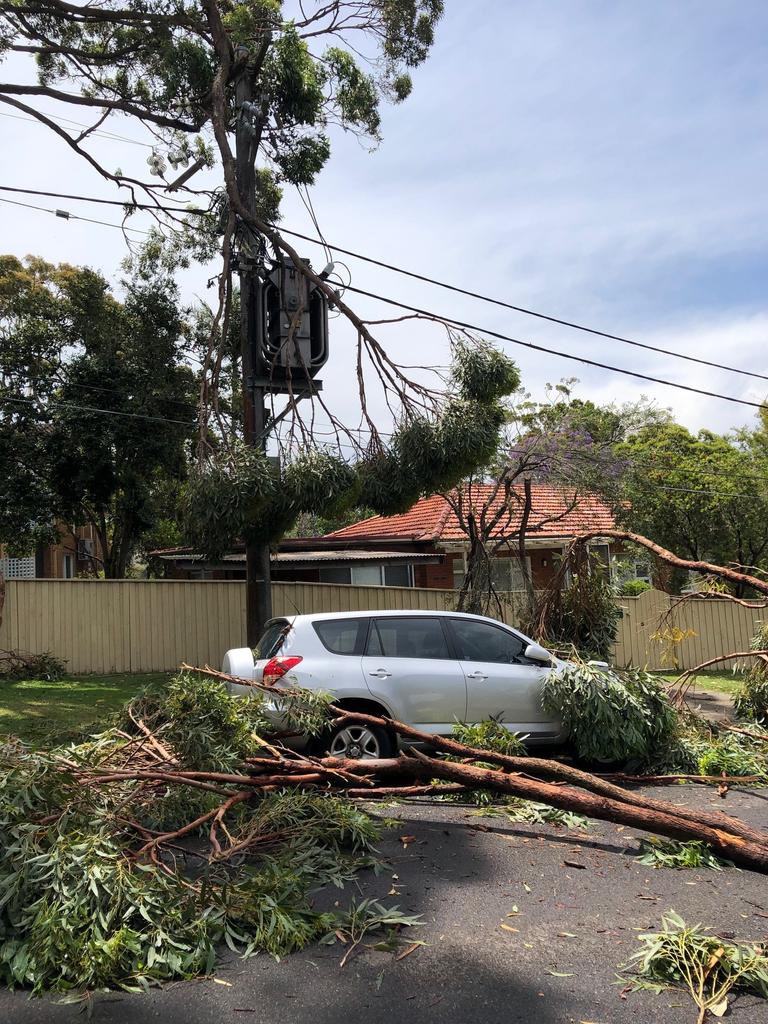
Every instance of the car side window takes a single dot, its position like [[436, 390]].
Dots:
[[408, 637], [480, 641], [342, 636]]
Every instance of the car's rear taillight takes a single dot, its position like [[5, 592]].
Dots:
[[277, 667]]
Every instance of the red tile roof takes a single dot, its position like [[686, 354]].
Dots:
[[433, 519]]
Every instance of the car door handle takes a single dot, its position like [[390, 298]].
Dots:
[[477, 675], [380, 673]]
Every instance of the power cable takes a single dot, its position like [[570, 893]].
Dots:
[[573, 325], [522, 309], [77, 124], [65, 215], [464, 325], [96, 409]]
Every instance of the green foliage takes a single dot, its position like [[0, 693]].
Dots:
[[751, 699], [489, 735], [706, 965], [211, 730], [78, 911], [611, 715], [206, 727], [356, 93], [238, 495], [667, 492], [429, 455], [584, 613], [701, 748], [668, 853], [231, 490], [518, 809], [482, 373], [731, 754], [367, 916], [313, 480], [65, 338], [633, 588]]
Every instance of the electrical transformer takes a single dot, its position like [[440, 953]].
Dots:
[[292, 328]]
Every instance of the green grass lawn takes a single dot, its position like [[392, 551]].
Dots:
[[39, 711], [719, 682]]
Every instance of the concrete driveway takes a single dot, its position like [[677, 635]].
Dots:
[[581, 900]]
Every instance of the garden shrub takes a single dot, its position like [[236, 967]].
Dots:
[[633, 588]]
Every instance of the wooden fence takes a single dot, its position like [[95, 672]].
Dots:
[[152, 625]]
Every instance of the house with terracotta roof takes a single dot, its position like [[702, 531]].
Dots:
[[427, 545], [439, 525]]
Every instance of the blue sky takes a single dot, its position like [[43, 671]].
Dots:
[[604, 162]]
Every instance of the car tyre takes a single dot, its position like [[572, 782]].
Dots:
[[357, 741]]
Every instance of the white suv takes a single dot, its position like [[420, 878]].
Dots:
[[427, 669]]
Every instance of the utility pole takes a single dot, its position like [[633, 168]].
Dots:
[[258, 592]]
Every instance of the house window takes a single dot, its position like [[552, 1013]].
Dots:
[[459, 571], [369, 575], [642, 571], [18, 568], [68, 567], [601, 554], [398, 575], [507, 574], [366, 575]]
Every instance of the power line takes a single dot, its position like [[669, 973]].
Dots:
[[103, 202], [77, 124], [439, 318], [573, 325], [65, 215], [522, 309], [96, 409], [462, 324], [15, 375]]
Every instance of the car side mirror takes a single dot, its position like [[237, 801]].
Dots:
[[535, 652]]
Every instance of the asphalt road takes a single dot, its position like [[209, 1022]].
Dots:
[[574, 926]]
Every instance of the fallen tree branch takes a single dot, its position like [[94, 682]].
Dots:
[[745, 732], [721, 571], [682, 684], [530, 766]]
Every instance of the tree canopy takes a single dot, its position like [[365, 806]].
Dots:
[[704, 495], [96, 404]]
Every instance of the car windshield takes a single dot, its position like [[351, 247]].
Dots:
[[272, 639]]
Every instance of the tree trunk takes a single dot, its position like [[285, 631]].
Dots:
[[530, 593]]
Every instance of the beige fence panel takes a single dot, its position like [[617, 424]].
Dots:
[[719, 627], [640, 618], [153, 625]]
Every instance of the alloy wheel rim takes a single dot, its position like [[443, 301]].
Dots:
[[356, 742]]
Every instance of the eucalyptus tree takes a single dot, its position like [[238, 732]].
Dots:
[[173, 67]]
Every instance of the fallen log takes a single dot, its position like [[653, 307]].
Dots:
[[556, 770], [749, 853]]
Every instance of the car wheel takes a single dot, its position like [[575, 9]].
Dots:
[[359, 742]]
